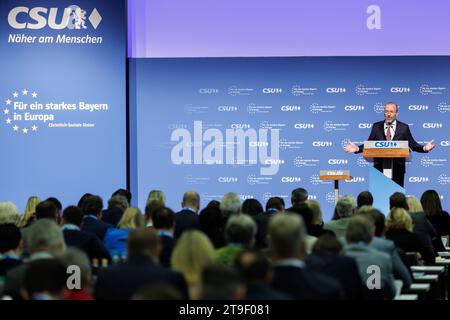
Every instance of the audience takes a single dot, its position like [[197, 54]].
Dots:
[[252, 207], [224, 251], [74, 237], [287, 234], [240, 232], [116, 239], [121, 281], [359, 234], [187, 218], [440, 219], [192, 253], [230, 204], [116, 207], [10, 247], [343, 211], [399, 229], [274, 205], [92, 210], [255, 269], [212, 222], [164, 224]]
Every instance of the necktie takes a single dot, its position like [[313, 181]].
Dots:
[[388, 133]]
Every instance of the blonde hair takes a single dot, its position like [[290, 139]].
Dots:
[[132, 218], [30, 211], [192, 253], [414, 204], [156, 195], [399, 218], [317, 212]]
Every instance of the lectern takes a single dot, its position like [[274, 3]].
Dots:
[[335, 175], [386, 150]]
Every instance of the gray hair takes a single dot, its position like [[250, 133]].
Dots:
[[118, 201], [287, 234], [75, 257], [230, 204], [359, 229], [345, 206], [8, 213], [241, 229], [46, 234]]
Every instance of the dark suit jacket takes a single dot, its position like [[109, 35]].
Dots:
[[87, 242], [402, 132], [8, 264], [262, 291], [410, 242], [342, 269], [305, 284], [94, 226], [185, 220], [121, 281], [112, 216], [168, 243], [262, 222]]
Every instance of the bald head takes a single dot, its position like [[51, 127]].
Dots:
[[191, 199]]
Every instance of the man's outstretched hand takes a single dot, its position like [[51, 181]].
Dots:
[[351, 148], [429, 146]]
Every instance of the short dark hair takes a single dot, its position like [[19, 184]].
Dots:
[[123, 192], [82, 199], [275, 203], [252, 265], [365, 198], [220, 282], [46, 210], [151, 207], [398, 200], [376, 216], [299, 195], [163, 218], [327, 242], [92, 204], [10, 237], [251, 207], [56, 202], [143, 242], [305, 212], [45, 275], [73, 215]]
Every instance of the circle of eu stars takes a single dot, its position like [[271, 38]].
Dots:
[[7, 111]]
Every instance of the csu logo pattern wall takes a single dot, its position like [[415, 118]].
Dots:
[[291, 118]]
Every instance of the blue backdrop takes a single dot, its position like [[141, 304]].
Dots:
[[264, 126], [62, 99]]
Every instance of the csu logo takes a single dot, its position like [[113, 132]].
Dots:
[[36, 18], [240, 126], [337, 161], [445, 143], [418, 179], [417, 107], [272, 90], [291, 179], [400, 90], [385, 144], [290, 108], [227, 179], [432, 125], [364, 125], [322, 143], [304, 125], [335, 90], [208, 91], [353, 108]]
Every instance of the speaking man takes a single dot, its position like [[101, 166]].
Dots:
[[392, 129]]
